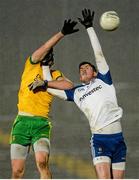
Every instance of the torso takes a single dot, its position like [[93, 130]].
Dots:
[[35, 104], [98, 102]]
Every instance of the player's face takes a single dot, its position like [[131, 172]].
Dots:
[[86, 73]]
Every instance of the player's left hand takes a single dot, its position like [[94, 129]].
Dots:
[[68, 27], [38, 85], [88, 18]]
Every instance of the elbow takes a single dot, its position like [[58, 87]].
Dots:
[[99, 55]]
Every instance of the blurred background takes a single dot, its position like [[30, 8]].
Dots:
[[27, 24]]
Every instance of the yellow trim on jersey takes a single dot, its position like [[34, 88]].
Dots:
[[37, 104]]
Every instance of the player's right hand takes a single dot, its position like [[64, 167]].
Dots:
[[68, 27], [38, 85], [88, 18]]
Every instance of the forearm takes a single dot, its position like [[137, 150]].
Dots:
[[46, 73], [39, 54], [60, 84], [100, 59], [59, 93]]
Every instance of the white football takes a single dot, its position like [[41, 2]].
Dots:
[[109, 20]]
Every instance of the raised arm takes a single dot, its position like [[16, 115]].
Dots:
[[40, 53], [87, 22]]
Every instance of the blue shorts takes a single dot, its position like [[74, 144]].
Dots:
[[109, 145]]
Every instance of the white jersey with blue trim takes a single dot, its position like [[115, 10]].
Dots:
[[97, 100]]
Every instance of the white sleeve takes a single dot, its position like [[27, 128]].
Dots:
[[46, 73], [99, 57], [59, 93]]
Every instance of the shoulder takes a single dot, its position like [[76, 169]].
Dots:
[[29, 61], [106, 78], [56, 74], [70, 93], [75, 88]]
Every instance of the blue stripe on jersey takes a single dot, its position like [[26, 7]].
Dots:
[[105, 77], [70, 93]]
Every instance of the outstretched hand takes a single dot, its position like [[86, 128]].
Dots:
[[68, 27], [88, 18]]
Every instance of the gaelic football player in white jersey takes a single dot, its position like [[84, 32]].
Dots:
[[96, 97]]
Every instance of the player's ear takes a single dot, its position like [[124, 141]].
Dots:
[[95, 74]]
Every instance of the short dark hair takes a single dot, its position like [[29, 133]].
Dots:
[[49, 55], [86, 62]]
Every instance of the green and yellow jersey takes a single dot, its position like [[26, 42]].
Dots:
[[37, 104]]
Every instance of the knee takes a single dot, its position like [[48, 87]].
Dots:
[[103, 172], [17, 172], [104, 175], [42, 165]]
